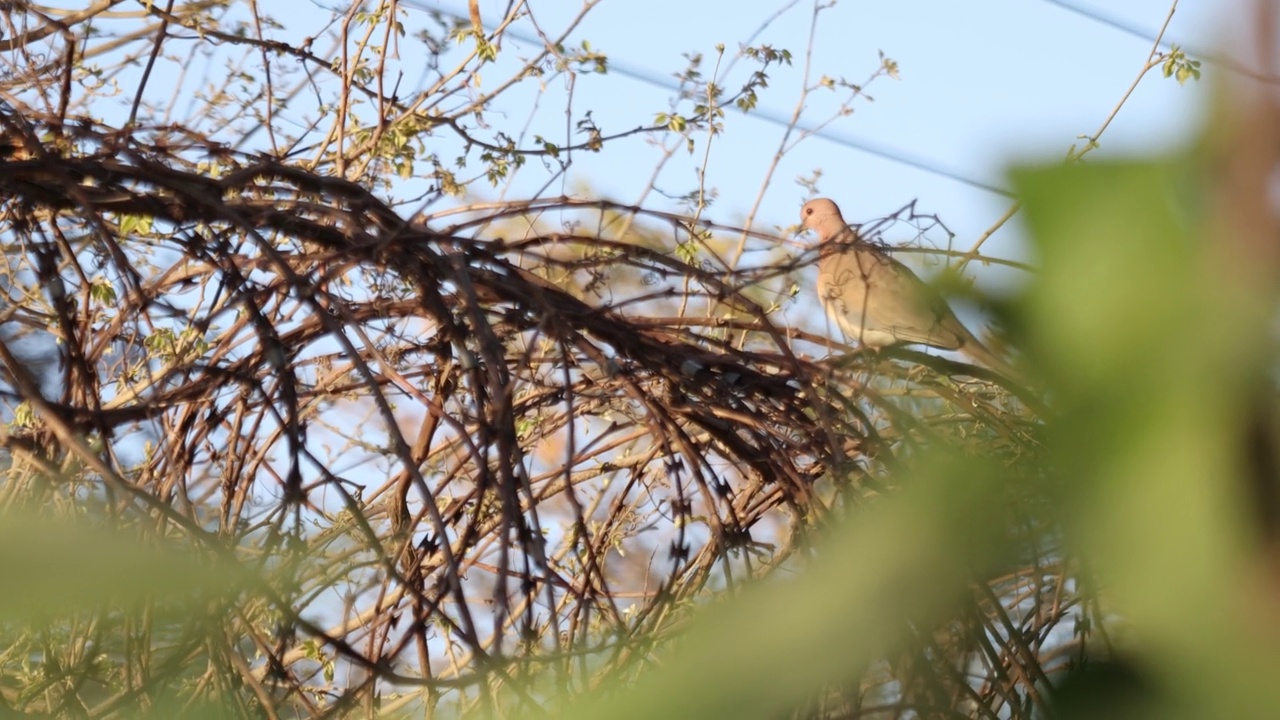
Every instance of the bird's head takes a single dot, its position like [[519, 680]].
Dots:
[[822, 216]]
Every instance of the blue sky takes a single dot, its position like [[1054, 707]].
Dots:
[[982, 83]]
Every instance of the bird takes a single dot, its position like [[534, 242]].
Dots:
[[877, 300]]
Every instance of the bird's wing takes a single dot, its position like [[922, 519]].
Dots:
[[898, 302]]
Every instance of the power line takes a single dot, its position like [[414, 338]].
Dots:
[[892, 154], [844, 139], [1222, 61], [1140, 33], [881, 150]]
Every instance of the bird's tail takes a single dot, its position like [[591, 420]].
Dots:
[[985, 357]]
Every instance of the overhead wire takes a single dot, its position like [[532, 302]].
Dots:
[[871, 147], [844, 139], [1223, 61]]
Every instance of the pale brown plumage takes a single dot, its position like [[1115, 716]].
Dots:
[[876, 300]]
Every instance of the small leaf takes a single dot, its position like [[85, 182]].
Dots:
[[102, 291]]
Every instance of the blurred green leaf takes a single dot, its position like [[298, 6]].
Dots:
[[1153, 348], [897, 566], [53, 567]]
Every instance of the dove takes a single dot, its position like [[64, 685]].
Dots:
[[877, 300]]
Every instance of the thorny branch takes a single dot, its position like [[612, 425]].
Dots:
[[454, 450]]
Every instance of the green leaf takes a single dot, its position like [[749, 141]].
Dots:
[[1152, 340], [763, 652], [102, 291], [23, 416], [135, 225], [64, 567]]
